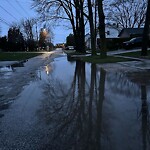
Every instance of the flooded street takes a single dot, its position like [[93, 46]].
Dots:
[[51, 103]]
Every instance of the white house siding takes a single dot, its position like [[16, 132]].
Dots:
[[113, 33]]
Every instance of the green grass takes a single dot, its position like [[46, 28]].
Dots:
[[135, 54], [109, 59], [16, 56]]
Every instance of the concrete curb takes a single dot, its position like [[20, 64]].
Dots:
[[7, 63]]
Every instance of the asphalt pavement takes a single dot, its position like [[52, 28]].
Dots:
[[28, 95]]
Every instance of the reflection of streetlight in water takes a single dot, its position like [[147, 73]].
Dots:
[[47, 69]]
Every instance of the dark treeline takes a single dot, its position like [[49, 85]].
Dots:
[[23, 38], [13, 45]]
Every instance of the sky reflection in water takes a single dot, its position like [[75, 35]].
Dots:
[[89, 108]]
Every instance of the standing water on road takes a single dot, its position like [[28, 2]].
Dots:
[[74, 105]]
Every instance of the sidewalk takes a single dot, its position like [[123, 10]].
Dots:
[[138, 63]]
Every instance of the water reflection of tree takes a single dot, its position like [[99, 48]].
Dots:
[[120, 84], [145, 127], [74, 115], [142, 79]]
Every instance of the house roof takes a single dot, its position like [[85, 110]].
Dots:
[[131, 31]]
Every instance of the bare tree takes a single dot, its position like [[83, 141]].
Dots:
[[102, 29], [126, 13], [146, 33], [79, 27], [69, 10], [92, 29], [27, 26]]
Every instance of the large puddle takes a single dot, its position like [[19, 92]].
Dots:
[[85, 107]]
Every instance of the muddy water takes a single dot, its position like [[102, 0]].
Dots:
[[73, 105]]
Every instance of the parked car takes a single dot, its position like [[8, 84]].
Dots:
[[133, 43], [69, 48]]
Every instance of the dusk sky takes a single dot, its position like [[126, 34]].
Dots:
[[16, 10]]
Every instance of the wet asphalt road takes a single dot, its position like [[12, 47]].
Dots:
[[20, 128], [50, 103]]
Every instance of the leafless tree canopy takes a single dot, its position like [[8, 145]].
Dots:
[[70, 11], [54, 9], [126, 13], [27, 26]]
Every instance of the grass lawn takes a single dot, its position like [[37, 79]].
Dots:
[[109, 59], [17, 56], [136, 54], [97, 59], [113, 59]]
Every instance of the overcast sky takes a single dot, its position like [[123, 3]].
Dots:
[[16, 10]]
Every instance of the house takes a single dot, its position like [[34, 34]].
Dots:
[[111, 32], [88, 41], [130, 32]]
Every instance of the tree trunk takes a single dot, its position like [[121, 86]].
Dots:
[[92, 30], [146, 32], [102, 29], [80, 27], [75, 36]]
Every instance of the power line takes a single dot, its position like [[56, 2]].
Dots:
[[21, 7], [5, 22], [8, 12], [13, 7]]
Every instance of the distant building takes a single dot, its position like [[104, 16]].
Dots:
[[130, 32], [88, 41], [111, 32], [60, 45]]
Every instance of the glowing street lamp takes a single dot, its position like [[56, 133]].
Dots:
[[45, 33]]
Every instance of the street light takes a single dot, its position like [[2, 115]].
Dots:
[[45, 33]]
